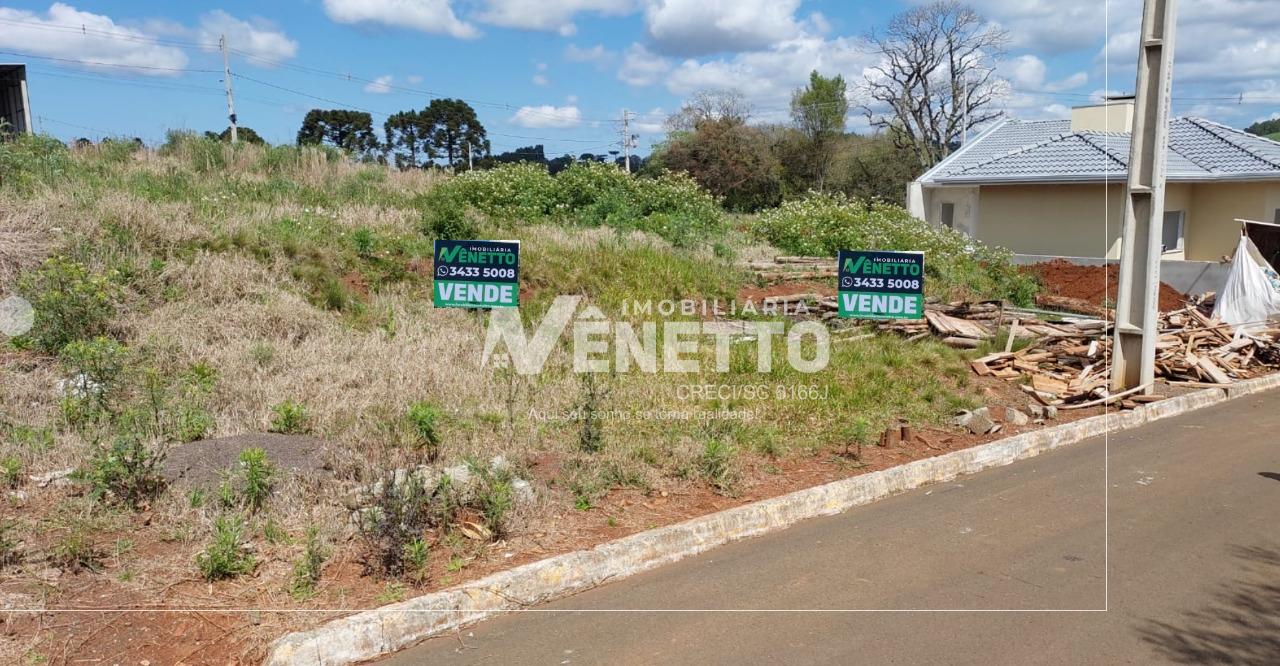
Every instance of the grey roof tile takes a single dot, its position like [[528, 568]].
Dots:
[[1047, 150]]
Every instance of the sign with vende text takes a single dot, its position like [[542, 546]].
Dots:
[[880, 285], [477, 274]]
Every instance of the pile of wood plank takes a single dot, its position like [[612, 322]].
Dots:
[[1071, 367], [787, 269]]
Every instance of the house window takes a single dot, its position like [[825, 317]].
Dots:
[[1172, 234], [949, 215]]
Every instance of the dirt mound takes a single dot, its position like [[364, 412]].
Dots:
[[204, 461], [1097, 285]]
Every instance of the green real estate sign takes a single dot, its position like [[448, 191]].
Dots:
[[881, 285], [477, 274]]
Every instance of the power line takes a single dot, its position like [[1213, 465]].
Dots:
[[110, 64], [86, 31]]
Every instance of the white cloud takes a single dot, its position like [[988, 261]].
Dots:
[[767, 78], [413, 79], [1025, 71], [66, 32], [431, 16], [559, 117], [704, 27], [540, 80], [598, 54], [650, 122], [380, 85], [641, 67], [548, 15], [258, 38]]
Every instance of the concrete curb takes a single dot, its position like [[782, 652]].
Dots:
[[382, 630]]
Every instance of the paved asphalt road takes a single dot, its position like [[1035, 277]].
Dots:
[[1194, 559]]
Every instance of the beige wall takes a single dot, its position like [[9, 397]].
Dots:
[[1061, 220], [1211, 227], [1074, 221]]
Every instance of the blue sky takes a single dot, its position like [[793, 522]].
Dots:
[[560, 72]]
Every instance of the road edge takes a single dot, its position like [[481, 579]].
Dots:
[[380, 631]]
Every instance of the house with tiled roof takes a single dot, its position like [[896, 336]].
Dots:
[[1056, 188]]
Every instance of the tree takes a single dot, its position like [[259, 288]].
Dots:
[[873, 167], [936, 77], [349, 130], [245, 134], [1264, 127], [729, 158], [709, 105], [406, 134], [451, 125], [818, 111]]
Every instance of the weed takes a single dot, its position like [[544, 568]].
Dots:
[[717, 465], [392, 593], [289, 417], [10, 471], [274, 533], [494, 497], [256, 478], [455, 564], [196, 498], [307, 569], [593, 393], [416, 554], [73, 303], [363, 240], [262, 354], [34, 440], [227, 555], [424, 418], [399, 513], [76, 551], [10, 547], [126, 471]]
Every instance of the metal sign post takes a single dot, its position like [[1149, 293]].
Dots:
[[1133, 350]]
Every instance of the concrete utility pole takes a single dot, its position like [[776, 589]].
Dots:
[[628, 140], [1133, 349], [226, 77]]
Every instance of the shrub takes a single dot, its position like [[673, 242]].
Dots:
[[29, 160], [126, 471], [307, 570], [959, 266], [424, 419], [70, 303], [444, 215], [256, 474], [10, 471], [494, 497], [76, 551], [416, 554], [226, 556], [289, 418], [399, 512]]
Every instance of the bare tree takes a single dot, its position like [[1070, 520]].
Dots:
[[729, 105], [936, 77]]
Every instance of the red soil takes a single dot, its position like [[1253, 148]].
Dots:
[[1096, 284]]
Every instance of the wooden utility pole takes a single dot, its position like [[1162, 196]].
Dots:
[[1133, 349], [226, 77]]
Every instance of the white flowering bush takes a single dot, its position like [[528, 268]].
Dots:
[[959, 266], [672, 206]]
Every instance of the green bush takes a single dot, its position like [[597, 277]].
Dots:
[[126, 471], [226, 556], [289, 418], [256, 476], [494, 497], [70, 303], [424, 420], [959, 266], [672, 206], [30, 160], [10, 471], [307, 570]]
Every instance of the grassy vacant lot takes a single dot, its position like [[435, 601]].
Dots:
[[205, 291]]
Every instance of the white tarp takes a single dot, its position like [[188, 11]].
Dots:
[[1249, 298]]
